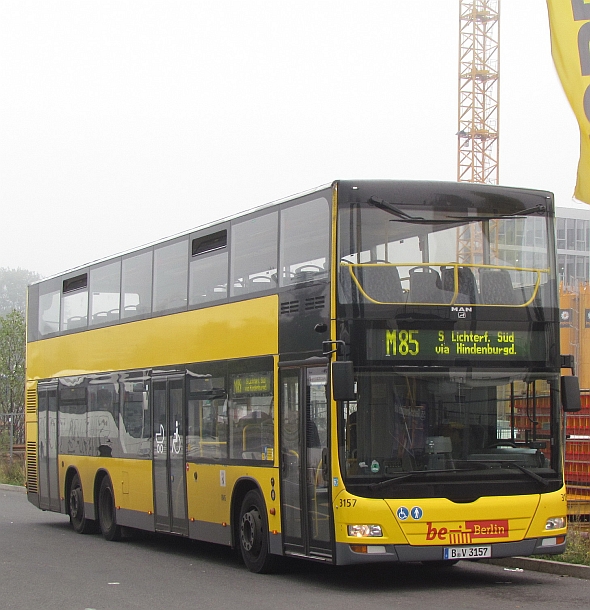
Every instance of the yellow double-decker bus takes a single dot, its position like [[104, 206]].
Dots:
[[365, 372]]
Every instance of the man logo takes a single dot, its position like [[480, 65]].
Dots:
[[461, 311]]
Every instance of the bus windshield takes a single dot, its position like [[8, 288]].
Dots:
[[497, 423], [447, 308]]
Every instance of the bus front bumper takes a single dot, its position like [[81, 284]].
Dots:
[[348, 554]]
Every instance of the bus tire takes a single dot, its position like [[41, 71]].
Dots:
[[107, 516], [253, 534], [78, 520]]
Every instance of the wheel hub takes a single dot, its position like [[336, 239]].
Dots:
[[75, 502], [248, 531]]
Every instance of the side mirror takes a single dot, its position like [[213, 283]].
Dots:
[[343, 380], [570, 394]]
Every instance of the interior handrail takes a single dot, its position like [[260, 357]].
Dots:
[[455, 267]]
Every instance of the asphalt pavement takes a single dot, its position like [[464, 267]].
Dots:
[[558, 568]]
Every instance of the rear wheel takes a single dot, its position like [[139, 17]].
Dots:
[[107, 516], [78, 519], [253, 534]]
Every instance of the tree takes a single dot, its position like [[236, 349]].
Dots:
[[12, 362], [13, 298], [13, 288]]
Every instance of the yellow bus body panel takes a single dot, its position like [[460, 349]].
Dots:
[[551, 505], [210, 487], [132, 479], [234, 330], [487, 520], [442, 522]]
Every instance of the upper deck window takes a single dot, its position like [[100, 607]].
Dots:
[[74, 302], [305, 242], [75, 283], [398, 254], [136, 284], [49, 308], [170, 276], [209, 243], [208, 268], [254, 255], [105, 293]]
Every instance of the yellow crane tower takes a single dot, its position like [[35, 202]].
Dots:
[[479, 72]]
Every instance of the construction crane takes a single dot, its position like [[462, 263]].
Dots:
[[479, 65], [479, 72]]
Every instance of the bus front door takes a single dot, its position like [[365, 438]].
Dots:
[[304, 434], [169, 472]]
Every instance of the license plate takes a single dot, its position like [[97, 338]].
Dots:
[[467, 552]]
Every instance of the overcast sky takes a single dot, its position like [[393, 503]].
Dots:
[[125, 122]]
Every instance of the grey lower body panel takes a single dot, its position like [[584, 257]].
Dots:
[[220, 534], [125, 517], [210, 532], [406, 553], [89, 511], [33, 498], [136, 519], [276, 543]]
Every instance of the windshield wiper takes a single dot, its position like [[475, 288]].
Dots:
[[391, 209], [526, 471], [523, 469], [374, 486], [407, 475], [538, 209], [405, 217]]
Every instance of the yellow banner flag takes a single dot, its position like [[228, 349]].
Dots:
[[569, 21]]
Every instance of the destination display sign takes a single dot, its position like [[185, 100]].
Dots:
[[252, 384], [413, 344]]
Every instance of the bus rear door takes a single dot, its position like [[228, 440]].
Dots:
[[49, 497]]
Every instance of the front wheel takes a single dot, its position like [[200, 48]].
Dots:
[[107, 516], [253, 535], [78, 519]]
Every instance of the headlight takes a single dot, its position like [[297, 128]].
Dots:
[[555, 523], [364, 531]]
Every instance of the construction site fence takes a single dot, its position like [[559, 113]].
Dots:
[[12, 433], [577, 460]]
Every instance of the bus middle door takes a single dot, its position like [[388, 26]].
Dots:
[[170, 506]]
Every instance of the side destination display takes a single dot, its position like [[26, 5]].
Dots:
[[407, 344]]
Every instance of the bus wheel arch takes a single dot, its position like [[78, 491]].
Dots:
[[75, 504], [251, 534]]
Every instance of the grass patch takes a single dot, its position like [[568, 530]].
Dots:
[[577, 548], [12, 472]]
